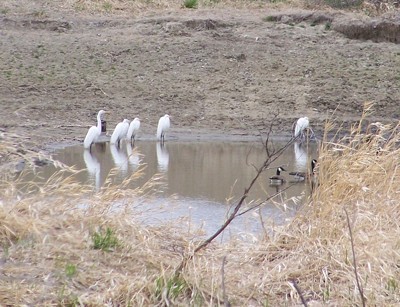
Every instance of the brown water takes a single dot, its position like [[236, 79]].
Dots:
[[202, 179]]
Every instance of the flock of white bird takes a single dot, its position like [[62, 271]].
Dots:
[[124, 130]]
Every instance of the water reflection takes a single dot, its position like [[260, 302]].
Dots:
[[120, 158], [300, 154], [133, 155], [201, 178], [162, 157], [202, 170], [93, 168]]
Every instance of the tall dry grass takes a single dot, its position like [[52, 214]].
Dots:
[[45, 233]]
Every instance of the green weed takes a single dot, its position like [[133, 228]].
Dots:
[[190, 4], [105, 241], [173, 286], [392, 285], [328, 26], [70, 270], [107, 6]]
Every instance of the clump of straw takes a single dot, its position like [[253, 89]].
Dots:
[[341, 249]]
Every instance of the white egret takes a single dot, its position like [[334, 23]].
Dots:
[[133, 129], [120, 132], [94, 131], [163, 126], [278, 179], [302, 124]]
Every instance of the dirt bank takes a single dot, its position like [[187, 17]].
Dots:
[[214, 71]]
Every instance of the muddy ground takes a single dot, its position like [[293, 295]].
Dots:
[[215, 71]]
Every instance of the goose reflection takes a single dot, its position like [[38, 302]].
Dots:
[[133, 156], [93, 167], [120, 158], [162, 157], [300, 155]]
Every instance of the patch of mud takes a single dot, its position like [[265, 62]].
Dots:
[[311, 17], [30, 24], [375, 30], [383, 30], [204, 24]]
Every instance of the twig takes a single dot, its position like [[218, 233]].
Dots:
[[265, 200], [271, 157], [360, 289], [296, 286], [226, 302]]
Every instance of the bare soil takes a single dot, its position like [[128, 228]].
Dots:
[[216, 71]]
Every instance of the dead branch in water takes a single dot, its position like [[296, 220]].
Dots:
[[272, 155]]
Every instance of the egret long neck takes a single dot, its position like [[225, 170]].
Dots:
[[99, 123]]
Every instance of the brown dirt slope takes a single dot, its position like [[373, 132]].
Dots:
[[225, 71]]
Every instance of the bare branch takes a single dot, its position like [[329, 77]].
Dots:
[[226, 301], [271, 157], [360, 289], [296, 286]]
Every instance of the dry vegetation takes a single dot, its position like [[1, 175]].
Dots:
[[64, 245]]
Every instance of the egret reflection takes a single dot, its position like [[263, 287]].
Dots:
[[300, 154], [120, 158], [93, 167], [133, 156], [162, 157]]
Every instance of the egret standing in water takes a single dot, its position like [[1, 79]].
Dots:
[[120, 132], [302, 125], [94, 132], [133, 129], [163, 127]]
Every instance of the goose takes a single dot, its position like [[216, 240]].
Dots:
[[277, 179], [300, 176]]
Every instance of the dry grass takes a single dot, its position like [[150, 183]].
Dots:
[[48, 256]]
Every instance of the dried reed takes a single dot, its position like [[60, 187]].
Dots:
[[310, 259]]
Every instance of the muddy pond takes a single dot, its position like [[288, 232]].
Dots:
[[201, 181]]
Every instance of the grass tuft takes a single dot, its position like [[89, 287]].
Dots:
[[190, 4], [358, 173], [70, 270], [105, 241], [169, 288]]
